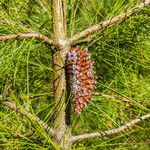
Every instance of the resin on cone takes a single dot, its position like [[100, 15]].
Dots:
[[82, 77]]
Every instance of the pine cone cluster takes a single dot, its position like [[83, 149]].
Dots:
[[82, 77]]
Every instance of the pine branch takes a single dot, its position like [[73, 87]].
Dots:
[[110, 132], [59, 22], [107, 23], [27, 114], [120, 97], [38, 36], [62, 129]]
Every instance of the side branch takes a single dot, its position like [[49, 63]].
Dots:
[[38, 36], [110, 132], [27, 114], [107, 23]]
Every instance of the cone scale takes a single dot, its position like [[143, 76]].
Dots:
[[82, 77]]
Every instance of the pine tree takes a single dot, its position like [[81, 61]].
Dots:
[[36, 40]]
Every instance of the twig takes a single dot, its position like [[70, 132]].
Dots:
[[27, 114], [110, 132], [121, 97], [107, 23], [38, 36]]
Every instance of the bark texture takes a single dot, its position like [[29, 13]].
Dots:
[[62, 128]]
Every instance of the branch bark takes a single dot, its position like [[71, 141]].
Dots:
[[62, 129], [109, 132], [59, 22], [107, 23], [30, 116], [38, 36]]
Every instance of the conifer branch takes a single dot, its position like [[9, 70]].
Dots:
[[38, 36], [28, 115], [110, 132], [107, 23]]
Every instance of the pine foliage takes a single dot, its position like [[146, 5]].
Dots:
[[121, 58]]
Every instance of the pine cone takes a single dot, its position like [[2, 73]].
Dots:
[[82, 77]]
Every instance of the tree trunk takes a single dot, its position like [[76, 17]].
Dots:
[[62, 128]]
